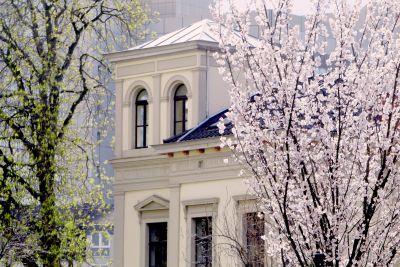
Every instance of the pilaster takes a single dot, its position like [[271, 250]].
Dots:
[[118, 117], [156, 108], [199, 97], [173, 227], [118, 238]]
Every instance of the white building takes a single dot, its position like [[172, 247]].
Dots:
[[172, 15], [175, 197]]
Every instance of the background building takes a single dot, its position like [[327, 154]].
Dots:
[[175, 14]]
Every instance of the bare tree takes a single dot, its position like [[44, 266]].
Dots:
[[239, 234]]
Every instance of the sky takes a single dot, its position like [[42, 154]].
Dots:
[[303, 7], [300, 7]]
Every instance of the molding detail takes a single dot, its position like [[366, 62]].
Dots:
[[172, 83], [152, 203], [197, 207], [133, 89], [178, 48], [203, 201], [245, 197], [177, 63], [130, 70]]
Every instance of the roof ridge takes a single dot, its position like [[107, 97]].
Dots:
[[199, 30], [187, 32], [174, 33]]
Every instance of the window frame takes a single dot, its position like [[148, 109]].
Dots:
[[149, 215], [145, 105], [254, 261], [196, 208], [246, 204], [100, 246], [198, 240], [184, 99]]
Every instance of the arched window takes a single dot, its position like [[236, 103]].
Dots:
[[142, 119], [180, 109]]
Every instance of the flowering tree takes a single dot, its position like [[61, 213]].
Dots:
[[52, 79], [321, 144]]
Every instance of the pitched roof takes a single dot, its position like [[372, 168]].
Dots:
[[206, 129], [199, 35], [199, 31]]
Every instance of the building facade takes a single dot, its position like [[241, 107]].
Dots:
[[177, 195], [175, 14]]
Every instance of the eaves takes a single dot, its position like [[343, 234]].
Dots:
[[161, 50], [187, 145]]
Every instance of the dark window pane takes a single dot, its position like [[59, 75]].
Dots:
[[178, 110], [139, 137], [95, 239], [178, 127], [142, 96], [147, 136], [141, 120], [147, 114], [181, 91], [157, 244], [203, 242], [140, 115], [186, 112], [157, 232], [105, 242], [255, 229]]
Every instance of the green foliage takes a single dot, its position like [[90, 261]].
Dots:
[[53, 91]]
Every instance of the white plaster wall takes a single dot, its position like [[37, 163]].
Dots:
[[132, 228], [218, 92]]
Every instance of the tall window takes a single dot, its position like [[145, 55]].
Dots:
[[180, 109], [255, 227], [157, 244], [142, 118], [203, 242]]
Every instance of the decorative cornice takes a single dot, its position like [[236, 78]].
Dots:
[[119, 193], [187, 145], [245, 197], [153, 202], [161, 50], [172, 179], [203, 201]]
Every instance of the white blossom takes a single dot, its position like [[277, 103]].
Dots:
[[322, 147]]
